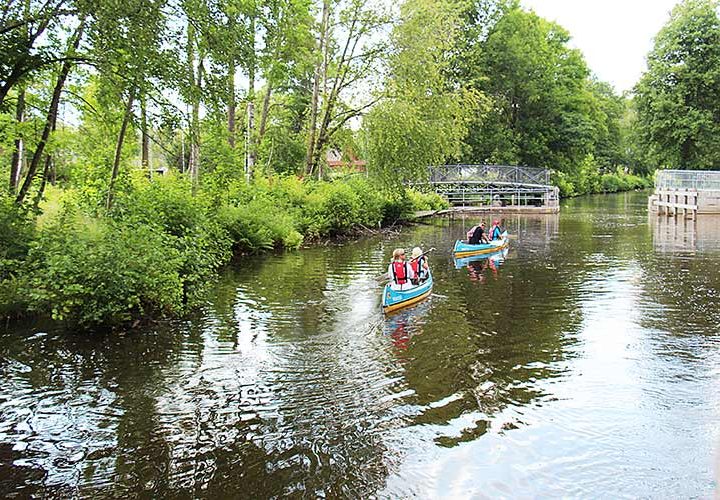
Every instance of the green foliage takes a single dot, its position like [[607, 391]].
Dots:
[[426, 201], [679, 95], [547, 120], [331, 208], [167, 205], [89, 273], [588, 181], [564, 184], [259, 225], [424, 117], [16, 233]]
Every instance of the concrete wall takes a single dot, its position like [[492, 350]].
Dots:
[[708, 202]]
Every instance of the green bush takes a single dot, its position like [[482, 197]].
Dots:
[[259, 225], [588, 181], [168, 205], [427, 201], [89, 272], [331, 208], [564, 183], [17, 231], [610, 183], [397, 208]]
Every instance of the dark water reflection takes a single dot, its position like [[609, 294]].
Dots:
[[583, 362]]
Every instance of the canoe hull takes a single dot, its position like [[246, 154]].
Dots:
[[498, 257], [397, 299], [463, 249]]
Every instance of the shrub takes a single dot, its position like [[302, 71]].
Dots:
[[426, 201], [331, 208], [397, 208], [259, 225], [168, 205], [93, 273], [17, 231], [564, 183]]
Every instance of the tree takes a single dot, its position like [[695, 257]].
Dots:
[[610, 135], [678, 97], [423, 116], [350, 47], [52, 113], [29, 32], [542, 111]]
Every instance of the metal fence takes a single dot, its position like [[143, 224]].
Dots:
[[698, 180]]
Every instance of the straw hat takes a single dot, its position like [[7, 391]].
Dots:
[[416, 252]]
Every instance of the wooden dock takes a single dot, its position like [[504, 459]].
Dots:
[[673, 202]]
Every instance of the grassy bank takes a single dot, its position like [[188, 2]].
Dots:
[[155, 252]]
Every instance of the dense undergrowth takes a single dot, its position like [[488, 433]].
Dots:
[[155, 251], [588, 179]]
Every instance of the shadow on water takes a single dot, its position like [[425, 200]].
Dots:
[[581, 360]]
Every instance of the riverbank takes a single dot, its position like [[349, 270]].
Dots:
[[153, 254]]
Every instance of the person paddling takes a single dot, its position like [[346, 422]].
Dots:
[[419, 265], [478, 235], [495, 231], [399, 271]]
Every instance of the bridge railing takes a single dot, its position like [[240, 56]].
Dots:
[[489, 173]]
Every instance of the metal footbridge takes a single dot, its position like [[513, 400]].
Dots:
[[494, 185]]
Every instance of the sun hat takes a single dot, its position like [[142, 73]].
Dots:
[[416, 252]]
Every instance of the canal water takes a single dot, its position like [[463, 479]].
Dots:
[[584, 362]]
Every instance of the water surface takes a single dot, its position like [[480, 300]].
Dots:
[[584, 362]]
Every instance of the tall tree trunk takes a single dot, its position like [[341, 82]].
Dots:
[[194, 81], [265, 111], [145, 138], [310, 154], [45, 177], [52, 114], [331, 96], [250, 152], [49, 166], [232, 104], [685, 154], [194, 160], [118, 147], [16, 161]]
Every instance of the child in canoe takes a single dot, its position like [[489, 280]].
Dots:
[[400, 271], [419, 265]]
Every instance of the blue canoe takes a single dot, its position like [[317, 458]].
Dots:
[[499, 257], [463, 249], [393, 300]]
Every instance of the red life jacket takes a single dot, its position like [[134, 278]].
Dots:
[[400, 273], [417, 265]]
